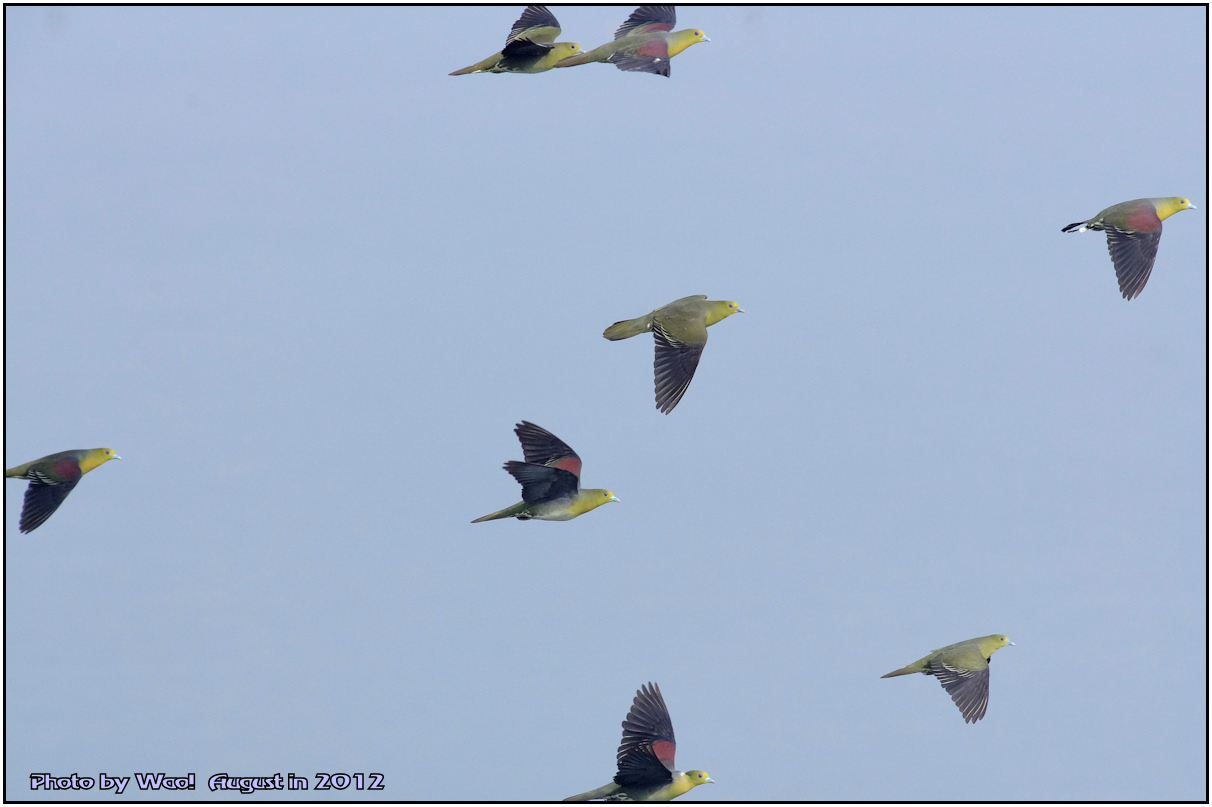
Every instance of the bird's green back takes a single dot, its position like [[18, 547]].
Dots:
[[971, 653]]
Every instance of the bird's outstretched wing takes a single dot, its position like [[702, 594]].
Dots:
[[541, 447], [646, 752], [541, 483], [969, 689], [674, 365], [42, 498], [646, 19], [1132, 253]]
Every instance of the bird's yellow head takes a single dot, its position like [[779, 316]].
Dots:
[[1169, 206], [589, 499], [991, 643], [96, 456], [681, 40], [699, 778], [719, 309], [562, 50]]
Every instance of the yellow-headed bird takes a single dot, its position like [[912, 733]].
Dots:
[[1133, 233], [550, 479], [963, 670], [646, 42], [680, 332], [645, 758], [52, 478], [530, 47]]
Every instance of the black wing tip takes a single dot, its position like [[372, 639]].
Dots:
[[535, 16]]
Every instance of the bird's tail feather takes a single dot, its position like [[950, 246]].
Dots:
[[628, 328], [601, 793], [508, 512], [479, 67], [916, 667], [581, 58]]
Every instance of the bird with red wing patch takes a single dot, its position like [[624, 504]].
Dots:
[[645, 758], [644, 43], [51, 478], [1133, 233], [550, 479]]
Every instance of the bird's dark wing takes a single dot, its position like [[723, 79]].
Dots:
[[541, 483], [648, 18], [1133, 253], [541, 447], [646, 752], [523, 52], [42, 499], [536, 24], [673, 366], [969, 689], [643, 63]]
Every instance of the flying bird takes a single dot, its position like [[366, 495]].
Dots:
[[52, 478], [1133, 233], [680, 332], [530, 48], [644, 43], [645, 758], [550, 479], [963, 670]]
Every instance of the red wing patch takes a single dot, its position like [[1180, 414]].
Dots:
[[66, 469], [656, 48], [663, 749], [1144, 220], [570, 464]]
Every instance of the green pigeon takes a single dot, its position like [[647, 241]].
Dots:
[[52, 478], [680, 332], [530, 47], [645, 43], [1133, 233], [550, 479], [963, 670], [645, 758]]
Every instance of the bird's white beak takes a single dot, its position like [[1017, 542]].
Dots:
[[707, 39], [116, 457], [740, 311], [709, 781], [1010, 644], [614, 498], [1193, 207]]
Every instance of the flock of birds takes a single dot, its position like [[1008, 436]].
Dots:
[[551, 470]]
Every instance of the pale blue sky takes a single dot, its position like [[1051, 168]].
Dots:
[[305, 283]]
